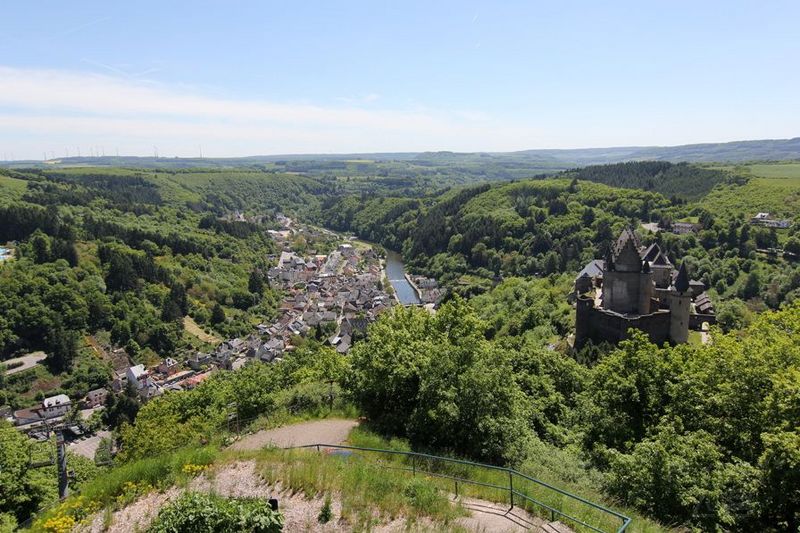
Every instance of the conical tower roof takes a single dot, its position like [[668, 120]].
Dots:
[[682, 280]]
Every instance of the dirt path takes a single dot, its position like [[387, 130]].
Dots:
[[492, 516], [332, 431]]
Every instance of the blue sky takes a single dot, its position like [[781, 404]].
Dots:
[[243, 78]]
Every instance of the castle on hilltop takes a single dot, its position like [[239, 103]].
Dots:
[[637, 287]]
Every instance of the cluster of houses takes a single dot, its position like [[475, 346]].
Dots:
[[334, 296], [53, 408], [168, 375], [337, 294]]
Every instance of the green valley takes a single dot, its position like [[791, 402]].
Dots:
[[214, 301]]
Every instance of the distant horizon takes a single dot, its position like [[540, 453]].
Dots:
[[396, 152]]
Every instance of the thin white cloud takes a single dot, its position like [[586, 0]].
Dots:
[[70, 108], [106, 95]]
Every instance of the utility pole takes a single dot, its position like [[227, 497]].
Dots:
[[61, 458], [330, 395]]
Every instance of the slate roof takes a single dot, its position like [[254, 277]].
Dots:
[[593, 269], [682, 281], [627, 235], [651, 252]]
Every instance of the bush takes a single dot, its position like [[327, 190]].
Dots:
[[422, 494], [325, 514], [208, 513]]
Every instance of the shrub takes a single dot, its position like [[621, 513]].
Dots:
[[422, 494], [325, 514], [208, 513]]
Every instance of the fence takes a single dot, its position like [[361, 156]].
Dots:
[[477, 479]]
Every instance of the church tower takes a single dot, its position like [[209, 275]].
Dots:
[[680, 298]]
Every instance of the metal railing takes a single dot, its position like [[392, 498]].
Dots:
[[517, 496]]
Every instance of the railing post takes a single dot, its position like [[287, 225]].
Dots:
[[456, 481], [317, 447], [413, 465], [511, 487]]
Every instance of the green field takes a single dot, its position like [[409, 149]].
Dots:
[[774, 188], [12, 187]]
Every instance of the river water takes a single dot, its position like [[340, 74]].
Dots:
[[396, 274]]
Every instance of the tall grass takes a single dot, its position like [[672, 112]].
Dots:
[[158, 472], [369, 494]]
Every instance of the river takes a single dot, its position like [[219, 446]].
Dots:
[[396, 274]]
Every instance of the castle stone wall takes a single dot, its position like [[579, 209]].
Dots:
[[601, 325]]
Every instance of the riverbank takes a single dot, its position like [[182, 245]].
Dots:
[[405, 291], [417, 290]]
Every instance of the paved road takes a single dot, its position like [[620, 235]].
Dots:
[[331, 431], [28, 361]]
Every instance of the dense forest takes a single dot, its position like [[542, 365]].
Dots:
[[684, 181]]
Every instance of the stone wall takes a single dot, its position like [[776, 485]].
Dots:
[[696, 320], [601, 325]]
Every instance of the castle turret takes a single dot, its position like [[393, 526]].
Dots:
[[680, 298], [583, 317]]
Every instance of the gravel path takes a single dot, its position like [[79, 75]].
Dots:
[[28, 361], [331, 431]]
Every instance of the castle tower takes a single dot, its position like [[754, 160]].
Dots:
[[680, 298], [583, 319], [627, 285]]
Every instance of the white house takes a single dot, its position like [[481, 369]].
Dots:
[[137, 374], [54, 406]]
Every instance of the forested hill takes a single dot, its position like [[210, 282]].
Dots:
[[734, 152], [134, 251], [700, 435], [672, 180]]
